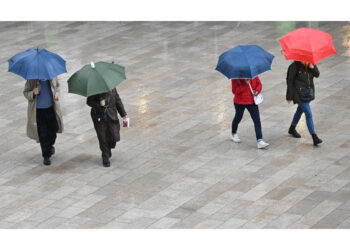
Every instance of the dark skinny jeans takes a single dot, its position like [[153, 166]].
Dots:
[[254, 113]]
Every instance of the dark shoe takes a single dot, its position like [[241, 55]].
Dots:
[[316, 139], [292, 131], [106, 163], [110, 153], [52, 152], [47, 161]]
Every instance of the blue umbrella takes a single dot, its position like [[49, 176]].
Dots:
[[244, 61], [37, 64]]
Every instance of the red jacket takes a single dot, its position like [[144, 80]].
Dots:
[[242, 92]]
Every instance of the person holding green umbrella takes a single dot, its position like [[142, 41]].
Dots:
[[98, 83]]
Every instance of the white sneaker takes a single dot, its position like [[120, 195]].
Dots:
[[235, 138], [262, 144]]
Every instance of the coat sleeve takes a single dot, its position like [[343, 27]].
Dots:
[[119, 105], [315, 72], [28, 91], [56, 84], [234, 83], [258, 85], [290, 81]]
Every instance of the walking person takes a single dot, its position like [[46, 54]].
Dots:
[[301, 90], [104, 113], [243, 99], [44, 114]]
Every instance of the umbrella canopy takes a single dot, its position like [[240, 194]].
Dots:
[[244, 61], [37, 64], [96, 78], [307, 45]]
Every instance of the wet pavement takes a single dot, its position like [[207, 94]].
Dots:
[[176, 166]]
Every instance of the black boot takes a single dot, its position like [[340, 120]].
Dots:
[[110, 153], [47, 161], [316, 139], [292, 131], [106, 163]]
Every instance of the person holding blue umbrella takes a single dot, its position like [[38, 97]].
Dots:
[[242, 65], [40, 68]]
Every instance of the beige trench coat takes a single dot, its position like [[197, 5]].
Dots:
[[32, 130]]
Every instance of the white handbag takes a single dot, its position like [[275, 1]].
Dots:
[[257, 98]]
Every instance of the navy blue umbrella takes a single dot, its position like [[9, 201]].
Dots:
[[244, 61], [37, 64]]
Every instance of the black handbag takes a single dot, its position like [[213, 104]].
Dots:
[[306, 94], [99, 117]]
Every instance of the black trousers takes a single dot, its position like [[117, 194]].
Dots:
[[106, 133], [47, 129]]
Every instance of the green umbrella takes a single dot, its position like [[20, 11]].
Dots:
[[96, 78]]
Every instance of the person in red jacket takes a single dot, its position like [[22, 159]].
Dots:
[[243, 99]]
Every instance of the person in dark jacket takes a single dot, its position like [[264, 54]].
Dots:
[[104, 113], [244, 99], [301, 90]]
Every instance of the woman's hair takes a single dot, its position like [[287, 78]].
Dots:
[[241, 81]]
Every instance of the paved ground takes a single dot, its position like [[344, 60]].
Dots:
[[176, 166]]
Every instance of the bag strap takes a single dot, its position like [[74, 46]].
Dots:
[[251, 88], [106, 107]]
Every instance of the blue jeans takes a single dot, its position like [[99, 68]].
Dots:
[[254, 113], [304, 107]]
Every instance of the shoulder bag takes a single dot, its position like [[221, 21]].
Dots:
[[257, 98]]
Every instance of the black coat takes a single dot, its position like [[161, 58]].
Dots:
[[113, 106], [300, 77]]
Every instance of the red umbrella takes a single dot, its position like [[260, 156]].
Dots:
[[307, 45]]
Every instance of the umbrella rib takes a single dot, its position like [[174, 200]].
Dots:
[[248, 64], [113, 70], [47, 64], [21, 65], [98, 82], [87, 82], [104, 80], [28, 67], [312, 49], [38, 63], [20, 68]]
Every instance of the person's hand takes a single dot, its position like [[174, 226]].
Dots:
[[103, 102], [289, 101], [255, 92], [36, 91], [311, 66], [125, 121], [56, 98]]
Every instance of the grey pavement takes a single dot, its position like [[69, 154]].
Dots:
[[176, 166]]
